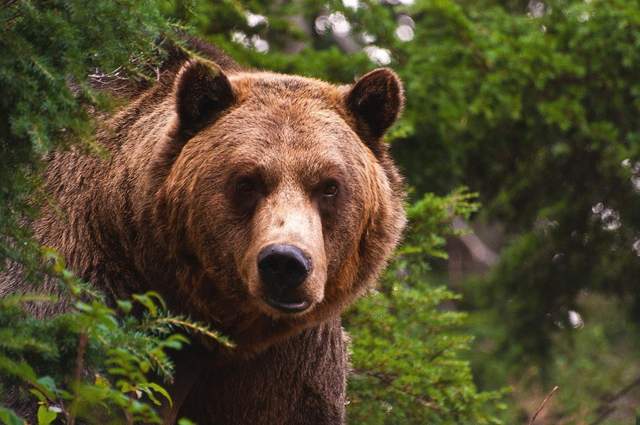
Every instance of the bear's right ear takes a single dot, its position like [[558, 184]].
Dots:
[[202, 91]]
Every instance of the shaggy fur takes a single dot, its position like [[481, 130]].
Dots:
[[203, 170]]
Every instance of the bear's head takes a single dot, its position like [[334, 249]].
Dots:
[[276, 196]]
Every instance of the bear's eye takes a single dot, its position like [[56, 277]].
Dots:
[[246, 185], [245, 192], [330, 189]]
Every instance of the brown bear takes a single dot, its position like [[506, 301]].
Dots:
[[258, 202]]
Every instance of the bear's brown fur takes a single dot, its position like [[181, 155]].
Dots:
[[203, 171]]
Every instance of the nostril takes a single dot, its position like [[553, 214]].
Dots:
[[283, 267]]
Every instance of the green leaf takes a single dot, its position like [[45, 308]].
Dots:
[[48, 383], [9, 417], [125, 306], [157, 388], [147, 302], [45, 415]]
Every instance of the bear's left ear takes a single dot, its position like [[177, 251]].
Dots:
[[202, 92], [376, 100]]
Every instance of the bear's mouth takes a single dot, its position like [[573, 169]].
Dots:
[[288, 306]]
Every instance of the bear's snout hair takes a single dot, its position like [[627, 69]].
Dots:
[[285, 267]]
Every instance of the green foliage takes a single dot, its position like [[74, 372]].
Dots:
[[48, 50], [407, 348], [125, 354], [8, 417], [585, 396], [430, 223], [536, 114], [536, 111], [407, 364]]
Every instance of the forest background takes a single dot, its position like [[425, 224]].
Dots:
[[520, 143]]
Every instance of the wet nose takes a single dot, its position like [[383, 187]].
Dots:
[[282, 268]]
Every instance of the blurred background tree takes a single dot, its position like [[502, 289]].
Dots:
[[533, 106]]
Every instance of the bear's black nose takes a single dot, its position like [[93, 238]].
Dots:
[[282, 269]]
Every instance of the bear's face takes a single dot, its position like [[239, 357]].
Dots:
[[281, 193]]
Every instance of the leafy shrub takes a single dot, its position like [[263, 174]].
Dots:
[[406, 347]]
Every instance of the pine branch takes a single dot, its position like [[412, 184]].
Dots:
[[196, 328]]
